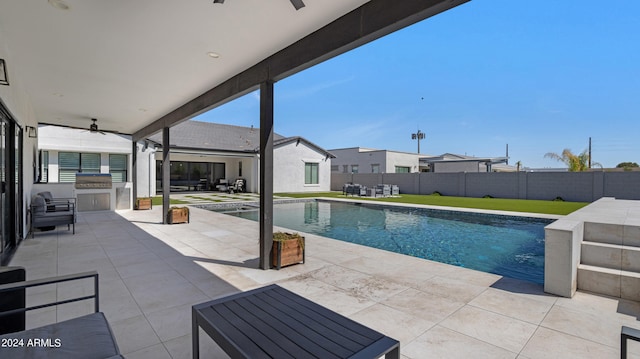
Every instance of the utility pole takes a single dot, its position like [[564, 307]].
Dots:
[[507, 163], [589, 152], [418, 136]]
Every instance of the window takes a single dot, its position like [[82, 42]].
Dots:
[[118, 168], [354, 168], [44, 167], [375, 168], [311, 173], [345, 168], [335, 168], [401, 169], [72, 162]]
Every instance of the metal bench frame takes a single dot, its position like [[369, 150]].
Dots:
[[627, 333]]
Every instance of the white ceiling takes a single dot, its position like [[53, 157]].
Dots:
[[129, 62]]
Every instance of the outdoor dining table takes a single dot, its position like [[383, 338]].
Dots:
[[273, 322]]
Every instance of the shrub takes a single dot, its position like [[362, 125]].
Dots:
[[436, 193], [488, 196], [558, 199], [283, 236]]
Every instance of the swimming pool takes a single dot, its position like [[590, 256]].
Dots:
[[504, 245]]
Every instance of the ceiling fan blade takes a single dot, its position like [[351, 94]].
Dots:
[[298, 4]]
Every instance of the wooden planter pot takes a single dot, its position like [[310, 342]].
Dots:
[[286, 252], [178, 215], [144, 203]]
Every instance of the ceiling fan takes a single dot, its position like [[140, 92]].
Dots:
[[94, 126], [298, 4]]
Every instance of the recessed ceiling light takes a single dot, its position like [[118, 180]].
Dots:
[[57, 94], [213, 55], [59, 4], [142, 109]]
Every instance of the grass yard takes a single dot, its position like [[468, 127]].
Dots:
[[501, 204], [157, 201]]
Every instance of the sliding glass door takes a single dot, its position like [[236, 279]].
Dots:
[[11, 187], [5, 238]]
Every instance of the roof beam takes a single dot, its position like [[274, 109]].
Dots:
[[369, 22]]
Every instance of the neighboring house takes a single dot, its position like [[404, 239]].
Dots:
[[204, 154], [449, 162], [367, 160]]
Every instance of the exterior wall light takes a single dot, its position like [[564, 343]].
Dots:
[[32, 132], [4, 80]]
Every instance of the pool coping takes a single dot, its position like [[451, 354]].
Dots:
[[448, 208], [391, 204]]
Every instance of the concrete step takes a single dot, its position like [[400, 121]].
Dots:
[[611, 282], [612, 233], [613, 256]]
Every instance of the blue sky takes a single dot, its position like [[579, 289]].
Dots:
[[539, 76]]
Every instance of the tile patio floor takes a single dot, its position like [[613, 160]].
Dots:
[[151, 274]]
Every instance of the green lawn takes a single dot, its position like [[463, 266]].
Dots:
[[157, 201], [502, 204]]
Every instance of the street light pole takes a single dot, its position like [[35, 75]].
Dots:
[[418, 136]]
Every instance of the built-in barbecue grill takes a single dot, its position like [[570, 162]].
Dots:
[[94, 192], [93, 181]]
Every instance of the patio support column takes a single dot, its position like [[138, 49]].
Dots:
[[134, 172], [166, 173], [266, 173]]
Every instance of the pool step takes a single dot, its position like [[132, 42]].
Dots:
[[612, 234], [612, 256], [612, 282], [610, 260]]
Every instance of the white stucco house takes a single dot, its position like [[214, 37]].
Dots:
[[203, 153], [202, 156], [368, 160], [453, 163]]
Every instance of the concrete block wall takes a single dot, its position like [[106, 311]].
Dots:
[[503, 185], [445, 183], [570, 186], [621, 185]]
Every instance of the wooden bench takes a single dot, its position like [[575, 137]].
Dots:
[[86, 337], [272, 322]]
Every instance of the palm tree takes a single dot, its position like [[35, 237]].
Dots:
[[575, 163]]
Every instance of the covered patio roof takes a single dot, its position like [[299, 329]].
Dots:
[[141, 66]]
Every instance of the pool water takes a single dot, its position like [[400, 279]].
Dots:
[[504, 245]]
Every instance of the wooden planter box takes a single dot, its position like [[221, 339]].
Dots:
[[178, 215], [287, 252], [144, 203]]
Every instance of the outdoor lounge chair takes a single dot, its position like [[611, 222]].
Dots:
[[354, 190], [87, 337], [223, 185], [237, 186], [47, 215]]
